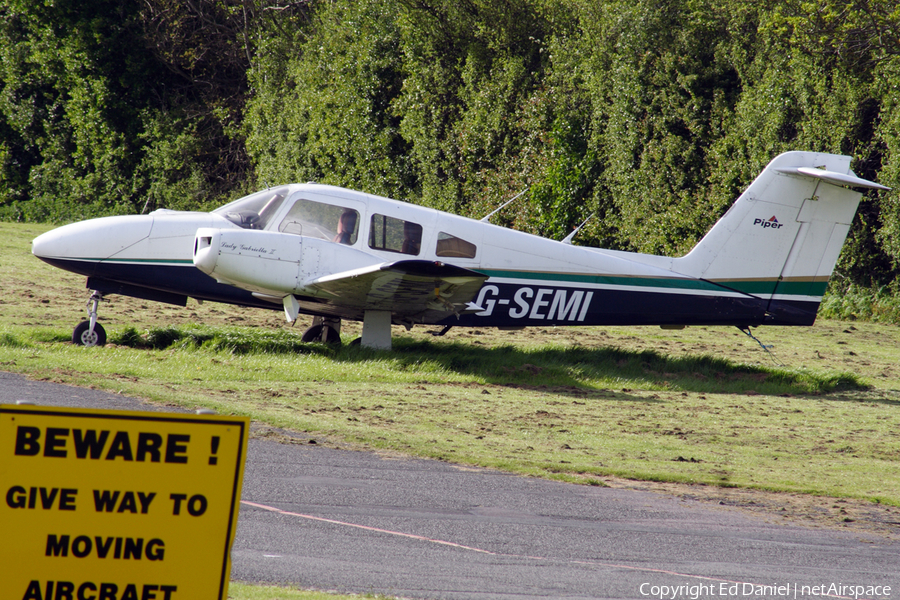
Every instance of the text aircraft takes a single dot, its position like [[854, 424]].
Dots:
[[338, 254]]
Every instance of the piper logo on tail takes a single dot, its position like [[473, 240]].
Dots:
[[766, 223]]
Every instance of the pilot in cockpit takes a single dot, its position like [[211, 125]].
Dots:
[[345, 228]]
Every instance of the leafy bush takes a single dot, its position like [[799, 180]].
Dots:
[[881, 305]]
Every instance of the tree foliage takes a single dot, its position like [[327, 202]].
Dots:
[[651, 115], [322, 108], [118, 106]]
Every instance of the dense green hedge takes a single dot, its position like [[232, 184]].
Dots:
[[653, 114]]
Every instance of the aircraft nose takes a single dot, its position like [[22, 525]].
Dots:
[[77, 245], [42, 245], [68, 241]]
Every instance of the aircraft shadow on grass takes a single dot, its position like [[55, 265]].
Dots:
[[569, 371]]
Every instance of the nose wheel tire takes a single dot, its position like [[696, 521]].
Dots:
[[83, 336]]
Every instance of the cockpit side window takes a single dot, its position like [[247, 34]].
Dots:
[[255, 210], [395, 235], [451, 246], [320, 220]]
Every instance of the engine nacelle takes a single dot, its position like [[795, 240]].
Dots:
[[258, 261], [272, 263]]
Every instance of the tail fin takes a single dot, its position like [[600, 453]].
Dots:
[[781, 240]]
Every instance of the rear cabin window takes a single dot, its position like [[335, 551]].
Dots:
[[450, 246], [323, 221], [395, 235]]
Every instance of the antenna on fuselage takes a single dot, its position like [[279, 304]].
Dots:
[[568, 239], [502, 206]]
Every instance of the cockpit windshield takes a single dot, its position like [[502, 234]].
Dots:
[[255, 210]]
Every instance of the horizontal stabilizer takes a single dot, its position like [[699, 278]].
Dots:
[[833, 177]]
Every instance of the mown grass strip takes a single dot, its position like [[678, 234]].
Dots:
[[245, 591], [570, 413]]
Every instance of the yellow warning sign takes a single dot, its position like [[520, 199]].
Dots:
[[116, 505]]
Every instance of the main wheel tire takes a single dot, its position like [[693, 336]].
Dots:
[[322, 333], [312, 334], [83, 336]]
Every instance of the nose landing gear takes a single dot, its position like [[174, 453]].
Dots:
[[90, 333]]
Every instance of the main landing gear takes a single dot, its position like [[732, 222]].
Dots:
[[90, 333], [323, 329], [376, 333]]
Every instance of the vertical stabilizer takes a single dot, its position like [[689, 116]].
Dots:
[[781, 240]]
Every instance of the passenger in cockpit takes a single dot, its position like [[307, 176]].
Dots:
[[345, 228]]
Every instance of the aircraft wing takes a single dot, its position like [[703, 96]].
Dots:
[[406, 287]]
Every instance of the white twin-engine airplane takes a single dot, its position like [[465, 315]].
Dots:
[[338, 254]]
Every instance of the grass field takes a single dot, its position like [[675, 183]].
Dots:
[[701, 412]]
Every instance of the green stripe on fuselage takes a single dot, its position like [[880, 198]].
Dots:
[[754, 287]]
